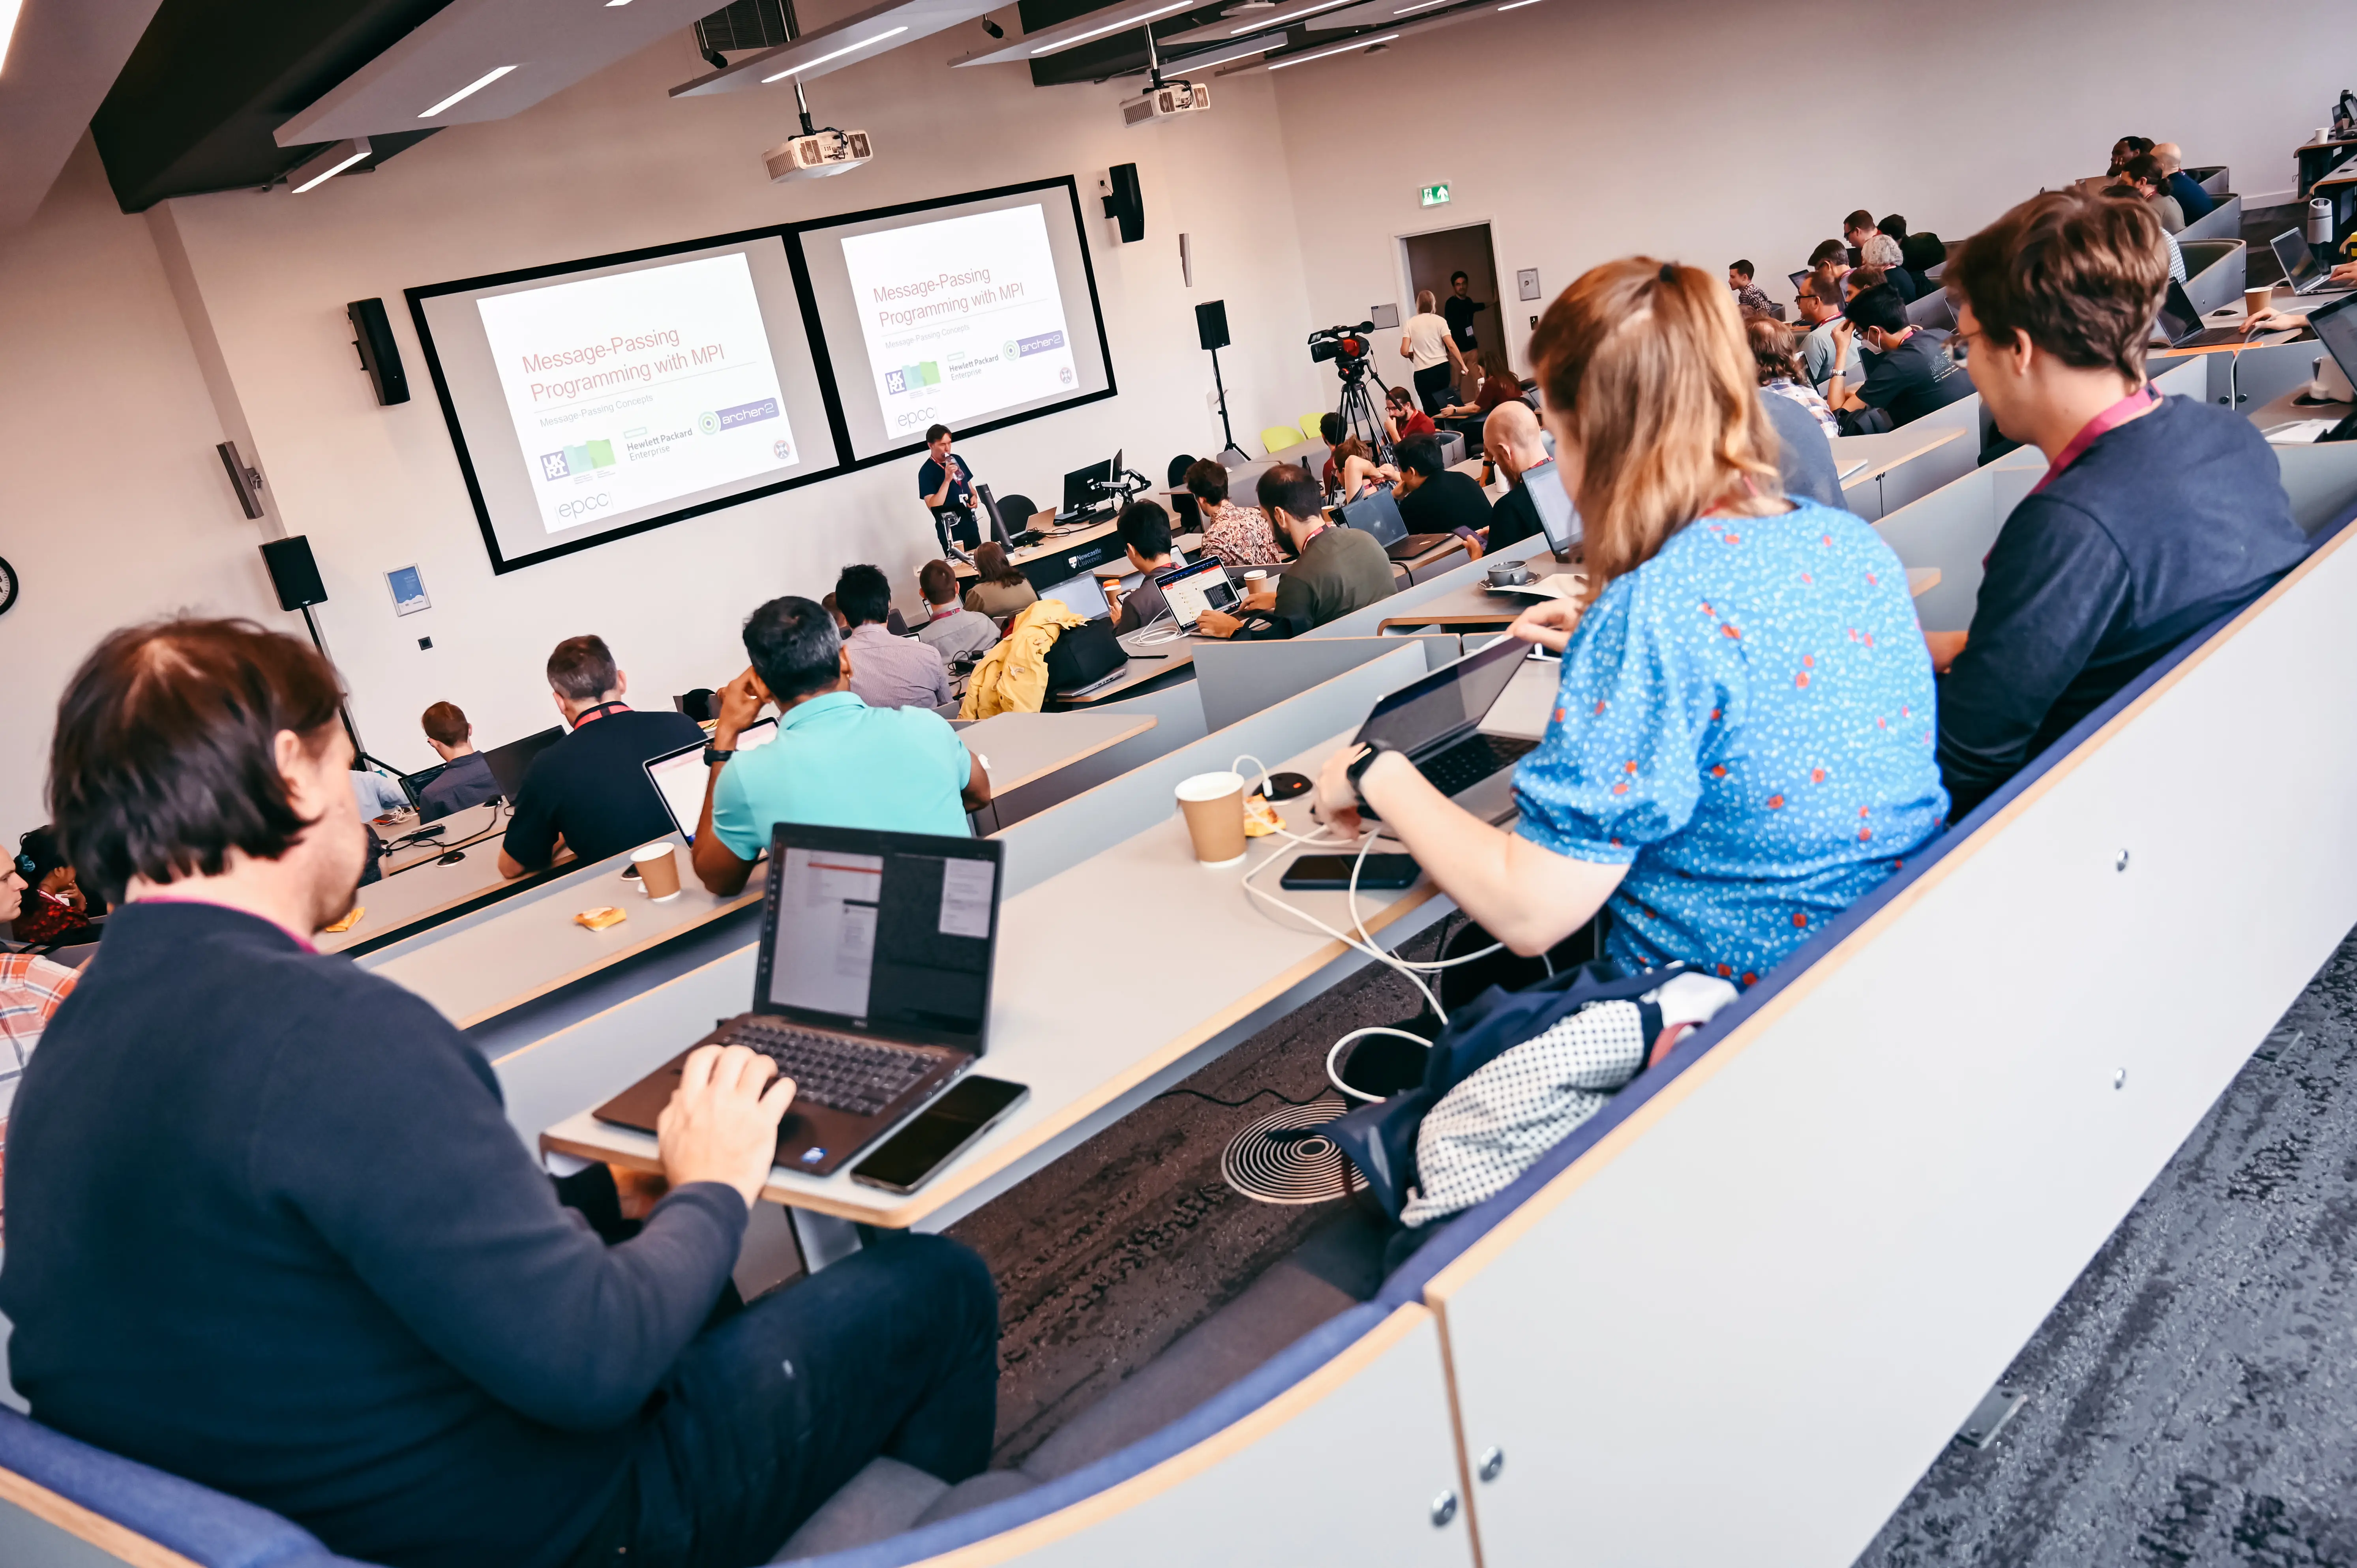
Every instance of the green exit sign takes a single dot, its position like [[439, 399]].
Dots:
[[1436, 195]]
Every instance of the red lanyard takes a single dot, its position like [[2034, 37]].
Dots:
[[2095, 429], [599, 712]]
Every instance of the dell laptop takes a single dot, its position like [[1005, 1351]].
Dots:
[[510, 762], [2301, 269], [2180, 323], [1436, 722], [680, 776], [1190, 589], [1377, 512], [873, 986]]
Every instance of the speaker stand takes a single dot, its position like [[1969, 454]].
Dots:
[[343, 708], [1226, 430]]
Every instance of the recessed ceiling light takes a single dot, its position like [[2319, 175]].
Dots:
[[8, 10], [1259, 22], [324, 166], [1122, 26], [838, 54], [1419, 6], [1518, 4], [1323, 54], [469, 91]]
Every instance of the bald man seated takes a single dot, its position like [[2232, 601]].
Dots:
[[2196, 202], [1510, 438]]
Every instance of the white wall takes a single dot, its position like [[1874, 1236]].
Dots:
[[1704, 131], [112, 506], [613, 165]]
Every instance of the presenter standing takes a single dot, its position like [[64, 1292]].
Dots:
[[947, 486]]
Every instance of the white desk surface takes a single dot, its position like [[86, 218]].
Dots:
[[429, 889], [1887, 449], [531, 945], [458, 828], [1089, 1038], [1148, 660], [1475, 604]]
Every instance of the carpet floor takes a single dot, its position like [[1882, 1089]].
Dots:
[[2193, 1398]]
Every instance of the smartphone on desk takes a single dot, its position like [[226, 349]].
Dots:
[[1331, 874], [940, 1131]]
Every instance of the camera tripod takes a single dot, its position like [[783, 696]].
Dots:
[[1361, 417]]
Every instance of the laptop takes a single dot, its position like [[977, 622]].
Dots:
[[1436, 722], [1191, 590], [873, 988], [680, 776], [1559, 519], [1377, 512], [2180, 323], [1083, 596], [2301, 269], [510, 762], [2336, 327]]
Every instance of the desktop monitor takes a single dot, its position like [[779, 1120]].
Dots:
[[1083, 596], [1081, 493], [508, 763]]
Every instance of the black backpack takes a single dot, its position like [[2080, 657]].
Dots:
[[1084, 655]]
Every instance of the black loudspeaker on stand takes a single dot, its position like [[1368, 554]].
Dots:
[[1211, 328], [295, 575]]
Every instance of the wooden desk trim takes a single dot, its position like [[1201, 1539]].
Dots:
[[458, 904], [1921, 580], [1877, 471], [1460, 1271], [635, 1150], [96, 1530], [1540, 566]]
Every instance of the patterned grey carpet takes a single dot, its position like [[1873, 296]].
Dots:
[[2193, 1398]]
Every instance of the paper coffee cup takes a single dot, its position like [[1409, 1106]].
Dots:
[[1257, 574], [658, 866], [1213, 805], [2258, 299]]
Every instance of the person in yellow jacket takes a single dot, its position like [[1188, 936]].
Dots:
[[1013, 676]]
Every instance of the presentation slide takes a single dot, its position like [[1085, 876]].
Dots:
[[962, 316], [969, 311], [611, 396], [635, 390]]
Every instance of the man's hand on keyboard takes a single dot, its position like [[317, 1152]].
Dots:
[[722, 1123]]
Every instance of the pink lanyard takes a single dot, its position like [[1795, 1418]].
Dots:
[[2095, 429]]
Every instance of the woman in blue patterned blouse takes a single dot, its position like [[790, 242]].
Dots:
[[1742, 742]]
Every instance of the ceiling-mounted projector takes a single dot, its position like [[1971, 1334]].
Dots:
[[818, 154], [1166, 100]]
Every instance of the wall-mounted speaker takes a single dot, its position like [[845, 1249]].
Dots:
[[380, 355], [293, 573], [1124, 202], [1212, 323]]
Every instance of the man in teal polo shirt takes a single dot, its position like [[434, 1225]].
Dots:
[[836, 761]]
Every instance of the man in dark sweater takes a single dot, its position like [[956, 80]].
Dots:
[[1435, 498], [1908, 375], [588, 792], [1335, 570], [2156, 517], [269, 1228]]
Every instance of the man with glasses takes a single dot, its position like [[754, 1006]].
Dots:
[[2156, 517], [1907, 376]]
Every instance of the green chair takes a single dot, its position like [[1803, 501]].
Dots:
[[1310, 423], [1279, 437]]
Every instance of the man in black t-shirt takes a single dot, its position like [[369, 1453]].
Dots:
[[1908, 375], [1433, 498], [1460, 309], [588, 792], [946, 486]]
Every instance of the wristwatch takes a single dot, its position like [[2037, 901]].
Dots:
[[1357, 771], [713, 754]]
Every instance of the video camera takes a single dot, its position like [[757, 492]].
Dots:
[[1348, 347]]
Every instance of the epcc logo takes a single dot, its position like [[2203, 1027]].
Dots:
[[914, 417], [584, 506]]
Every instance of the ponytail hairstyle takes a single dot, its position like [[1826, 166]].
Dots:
[[1651, 385]]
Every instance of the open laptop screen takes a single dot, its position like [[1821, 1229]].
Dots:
[[2336, 329], [2297, 261], [2179, 319], [1083, 596], [1451, 699], [680, 776], [888, 933], [1191, 590], [510, 763], [1377, 512]]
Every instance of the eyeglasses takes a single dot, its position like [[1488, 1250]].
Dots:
[[1959, 346]]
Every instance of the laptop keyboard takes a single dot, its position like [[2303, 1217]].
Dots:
[[1472, 759], [841, 1074]]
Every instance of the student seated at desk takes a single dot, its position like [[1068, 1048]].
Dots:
[[1000, 589], [1435, 498], [1336, 570], [466, 779], [1146, 537], [588, 792], [893, 671], [1233, 535], [54, 908], [1884, 252], [836, 762], [2151, 183], [346, 1291], [2156, 517], [1510, 439], [1358, 472], [1740, 744], [31, 987], [1405, 419], [1749, 297], [954, 631], [1780, 374], [1821, 314], [1908, 374]]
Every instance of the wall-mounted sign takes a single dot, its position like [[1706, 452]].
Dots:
[[408, 591], [1527, 280], [1436, 195]]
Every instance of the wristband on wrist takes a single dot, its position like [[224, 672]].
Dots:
[[713, 754], [1357, 773]]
